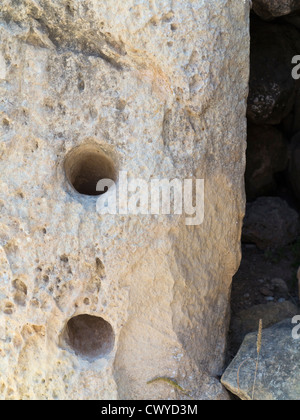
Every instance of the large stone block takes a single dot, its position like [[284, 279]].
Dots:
[[94, 306]]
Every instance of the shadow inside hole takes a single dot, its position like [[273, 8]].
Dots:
[[90, 337], [85, 166]]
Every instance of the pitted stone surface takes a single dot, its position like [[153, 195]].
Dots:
[[161, 87]]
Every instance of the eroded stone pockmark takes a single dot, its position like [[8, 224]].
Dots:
[[90, 337]]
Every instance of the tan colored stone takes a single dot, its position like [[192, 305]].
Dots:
[[161, 87]]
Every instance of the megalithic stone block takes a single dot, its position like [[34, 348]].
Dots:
[[108, 302]]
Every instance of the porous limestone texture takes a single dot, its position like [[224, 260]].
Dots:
[[160, 86]]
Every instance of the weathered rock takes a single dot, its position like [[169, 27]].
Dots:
[[267, 154], [272, 89], [294, 166], [113, 301], [278, 369], [246, 321], [270, 9], [270, 223]]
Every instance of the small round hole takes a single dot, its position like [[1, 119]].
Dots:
[[85, 166], [90, 337]]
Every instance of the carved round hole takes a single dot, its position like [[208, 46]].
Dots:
[[90, 337], [85, 166]]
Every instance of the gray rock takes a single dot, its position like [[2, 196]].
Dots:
[[270, 223], [278, 370], [270, 9]]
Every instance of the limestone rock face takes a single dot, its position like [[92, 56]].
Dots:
[[95, 306]]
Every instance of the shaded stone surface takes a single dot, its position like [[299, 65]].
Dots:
[[269, 9], [270, 223], [278, 370]]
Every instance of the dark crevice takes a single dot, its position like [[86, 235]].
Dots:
[[267, 278]]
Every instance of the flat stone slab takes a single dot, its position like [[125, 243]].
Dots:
[[278, 374]]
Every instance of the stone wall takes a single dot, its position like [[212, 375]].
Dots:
[[266, 288], [94, 307]]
